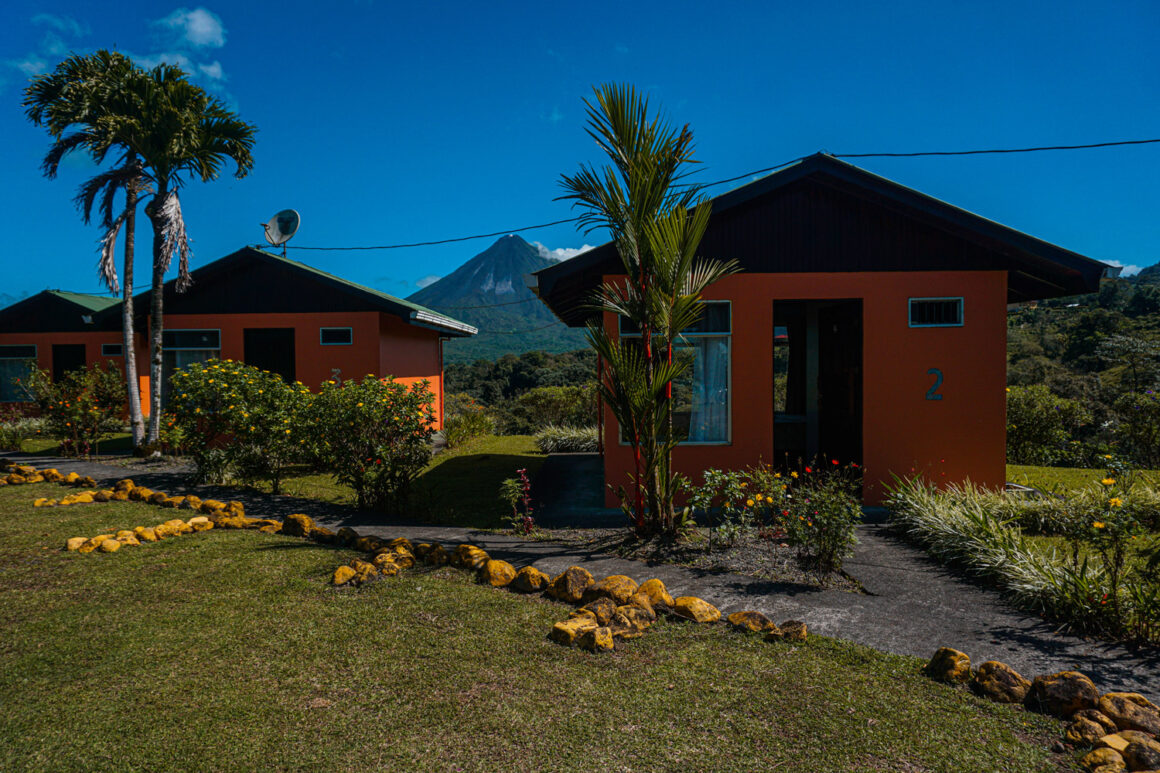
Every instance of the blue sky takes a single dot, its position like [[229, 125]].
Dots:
[[384, 123]]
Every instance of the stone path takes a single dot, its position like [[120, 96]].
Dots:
[[913, 606]]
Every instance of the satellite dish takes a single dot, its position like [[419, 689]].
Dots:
[[281, 227]]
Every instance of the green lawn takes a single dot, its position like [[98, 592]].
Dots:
[[459, 488], [229, 650], [1061, 479], [120, 443]]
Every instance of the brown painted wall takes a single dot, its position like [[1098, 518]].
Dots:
[[962, 436]]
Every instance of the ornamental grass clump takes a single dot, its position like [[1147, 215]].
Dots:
[[374, 435], [239, 421], [562, 439]]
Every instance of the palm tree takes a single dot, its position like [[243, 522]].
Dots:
[[176, 131], [657, 224], [77, 103]]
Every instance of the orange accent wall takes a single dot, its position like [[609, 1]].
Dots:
[[960, 437], [44, 341]]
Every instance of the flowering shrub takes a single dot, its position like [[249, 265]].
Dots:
[[374, 436], [1040, 426], [1138, 416], [15, 428], [238, 421], [814, 509], [82, 409], [517, 492], [465, 419]]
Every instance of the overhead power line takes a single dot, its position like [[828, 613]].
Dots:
[[917, 154]]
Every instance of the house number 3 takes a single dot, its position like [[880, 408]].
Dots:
[[932, 393]]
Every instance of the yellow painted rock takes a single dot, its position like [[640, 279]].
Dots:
[[437, 556], [635, 619], [657, 593], [52, 475], [84, 498], [42, 502], [949, 665], [231, 522], [343, 575], [89, 546], [363, 570], [75, 543], [389, 569], [529, 579], [569, 585], [1083, 732], [160, 498], [103, 495], [421, 550], [124, 534], [130, 540], [402, 557], [1062, 694], [322, 534], [596, 640], [603, 608], [272, 528], [793, 630], [209, 505], [568, 631], [120, 496], [148, 534], [1104, 756], [1131, 711], [235, 507], [1143, 754], [695, 609], [583, 614], [1000, 682], [469, 557], [124, 484], [109, 546], [71, 478], [496, 573], [402, 542], [368, 544], [1098, 717], [34, 478], [14, 479], [197, 525], [751, 621], [643, 601], [618, 587], [140, 493], [173, 503], [347, 535], [297, 525], [87, 482], [382, 559], [1113, 741]]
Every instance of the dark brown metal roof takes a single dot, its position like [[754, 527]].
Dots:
[[824, 215]]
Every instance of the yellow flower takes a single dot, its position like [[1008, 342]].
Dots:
[[287, 432], [749, 503], [359, 405], [1107, 456], [777, 475], [251, 428], [1115, 502], [793, 474], [1108, 481], [1099, 524], [769, 500], [211, 381], [743, 485]]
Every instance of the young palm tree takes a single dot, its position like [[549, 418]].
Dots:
[[77, 103], [657, 225]]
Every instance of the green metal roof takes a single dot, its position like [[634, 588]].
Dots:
[[90, 302]]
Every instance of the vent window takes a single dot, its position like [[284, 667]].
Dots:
[[936, 312], [335, 336]]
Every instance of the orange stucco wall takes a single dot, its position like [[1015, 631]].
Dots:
[[960, 437], [45, 341]]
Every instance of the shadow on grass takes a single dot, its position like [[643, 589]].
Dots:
[[464, 490]]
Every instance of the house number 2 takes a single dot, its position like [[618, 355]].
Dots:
[[932, 393]]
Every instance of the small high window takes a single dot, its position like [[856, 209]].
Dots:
[[335, 336], [112, 350], [936, 312]]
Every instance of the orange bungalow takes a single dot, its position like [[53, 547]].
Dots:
[[253, 306], [868, 325]]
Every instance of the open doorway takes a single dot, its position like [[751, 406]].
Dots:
[[817, 380], [270, 348]]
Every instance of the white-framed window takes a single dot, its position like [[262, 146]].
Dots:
[[112, 350], [335, 336], [185, 347], [935, 312], [17, 361], [701, 396]]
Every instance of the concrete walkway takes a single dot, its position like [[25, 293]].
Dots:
[[912, 607]]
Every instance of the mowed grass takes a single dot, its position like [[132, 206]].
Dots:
[[1060, 480], [229, 650], [460, 487]]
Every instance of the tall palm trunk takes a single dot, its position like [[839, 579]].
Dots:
[[156, 322], [128, 347]]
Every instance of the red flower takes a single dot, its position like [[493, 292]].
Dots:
[[808, 470], [833, 461]]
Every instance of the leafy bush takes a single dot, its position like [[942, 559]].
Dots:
[[465, 420], [82, 409], [1041, 426], [238, 421], [374, 436], [517, 492], [552, 405], [15, 428], [823, 511], [555, 439]]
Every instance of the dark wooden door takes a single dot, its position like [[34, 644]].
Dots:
[[272, 349], [66, 357]]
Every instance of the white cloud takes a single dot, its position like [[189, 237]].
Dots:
[[65, 25], [553, 117], [430, 279], [175, 58], [213, 70], [199, 28], [1128, 269], [30, 65], [561, 253]]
